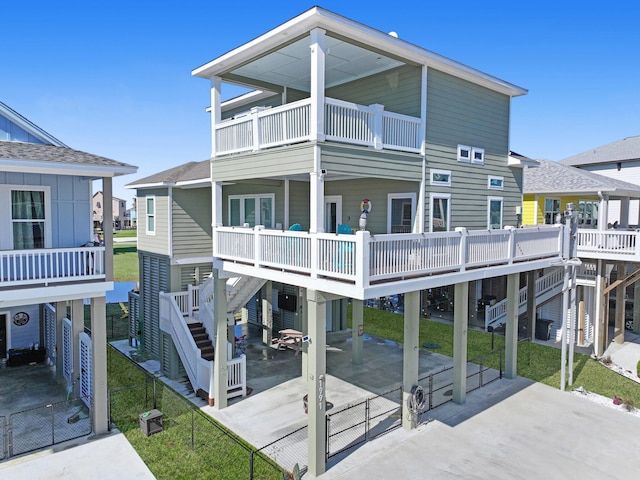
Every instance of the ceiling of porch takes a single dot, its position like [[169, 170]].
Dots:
[[290, 66]]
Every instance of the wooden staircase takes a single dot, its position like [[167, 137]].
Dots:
[[203, 342]]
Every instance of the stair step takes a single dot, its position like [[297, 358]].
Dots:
[[198, 337], [207, 356], [195, 325]]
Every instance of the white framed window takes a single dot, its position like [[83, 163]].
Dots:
[[401, 212], [477, 155], [26, 214], [440, 212], [151, 215], [588, 213], [551, 209], [464, 153], [251, 210], [495, 183], [441, 177], [494, 212]]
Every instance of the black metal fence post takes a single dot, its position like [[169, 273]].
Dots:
[[367, 410], [251, 465], [480, 373]]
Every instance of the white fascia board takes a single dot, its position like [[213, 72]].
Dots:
[[134, 186], [245, 99], [58, 293], [204, 182], [317, 17], [521, 163], [39, 167]]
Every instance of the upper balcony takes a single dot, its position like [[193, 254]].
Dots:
[[615, 245], [366, 266], [48, 266], [346, 122]]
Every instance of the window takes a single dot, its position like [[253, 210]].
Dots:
[[495, 183], [401, 210], [477, 155], [441, 177], [98, 205], [551, 209], [151, 215], [494, 212], [464, 153], [28, 219], [440, 212], [588, 213], [252, 210]]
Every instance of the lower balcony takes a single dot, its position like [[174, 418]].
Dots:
[[38, 267], [615, 245], [366, 266]]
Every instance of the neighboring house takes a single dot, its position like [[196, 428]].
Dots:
[[361, 166], [619, 160], [48, 261], [548, 190], [119, 209]]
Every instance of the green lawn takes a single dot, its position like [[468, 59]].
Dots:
[[125, 233], [125, 262], [537, 362]]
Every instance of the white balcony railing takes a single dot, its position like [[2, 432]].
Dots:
[[344, 122], [38, 266], [363, 259], [608, 245]]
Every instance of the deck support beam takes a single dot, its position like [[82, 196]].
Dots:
[[99, 365], [218, 384], [531, 302], [267, 313], [357, 331], [61, 313], [411, 354], [618, 330], [460, 328], [77, 327], [511, 331], [316, 381]]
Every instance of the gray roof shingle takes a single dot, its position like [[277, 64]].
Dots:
[[621, 150], [58, 155], [188, 172], [553, 177]]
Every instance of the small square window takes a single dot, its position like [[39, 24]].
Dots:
[[464, 153], [441, 177], [477, 155], [495, 183]]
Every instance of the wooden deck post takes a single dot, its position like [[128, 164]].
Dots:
[[460, 327]]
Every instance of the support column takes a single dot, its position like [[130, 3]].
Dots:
[[267, 313], [107, 226], [61, 313], [77, 327], [316, 200], [410, 354], [303, 326], [460, 327], [317, 69], [618, 329], [216, 112], [99, 365], [636, 307], [218, 384], [600, 297], [357, 331], [511, 333], [624, 212], [531, 302], [316, 382]]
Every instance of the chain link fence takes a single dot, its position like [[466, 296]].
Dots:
[[3, 438], [46, 425]]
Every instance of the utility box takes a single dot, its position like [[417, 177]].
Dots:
[[543, 329], [151, 422]]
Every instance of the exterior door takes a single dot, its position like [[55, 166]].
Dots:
[[3, 335], [332, 213]]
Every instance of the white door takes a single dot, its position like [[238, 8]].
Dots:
[[332, 213]]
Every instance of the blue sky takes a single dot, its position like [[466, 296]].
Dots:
[[114, 78]]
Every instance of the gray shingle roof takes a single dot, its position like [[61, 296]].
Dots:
[[188, 172], [52, 154], [553, 177], [621, 150]]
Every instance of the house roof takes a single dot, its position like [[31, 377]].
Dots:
[[619, 151], [29, 126], [558, 179], [280, 57], [517, 160], [190, 174], [39, 158]]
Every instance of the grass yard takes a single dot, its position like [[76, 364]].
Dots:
[[191, 445], [537, 362], [125, 262], [125, 233]]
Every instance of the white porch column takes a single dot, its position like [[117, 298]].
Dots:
[[219, 371], [317, 84], [636, 308], [531, 302], [216, 112], [603, 212], [216, 216], [61, 313], [99, 364], [77, 327], [624, 212], [316, 381], [285, 218], [460, 327], [316, 193], [267, 313], [618, 329], [410, 354], [511, 334], [107, 226], [357, 331], [600, 298]]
